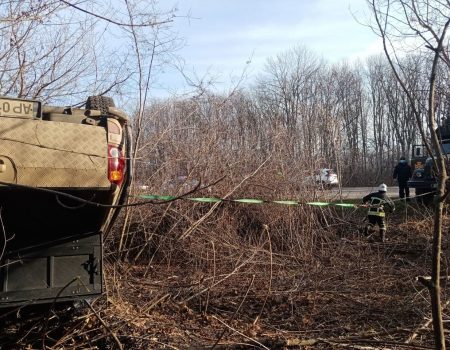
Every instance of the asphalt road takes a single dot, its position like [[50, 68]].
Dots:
[[359, 192]]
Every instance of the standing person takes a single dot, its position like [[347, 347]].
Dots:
[[378, 203], [402, 172]]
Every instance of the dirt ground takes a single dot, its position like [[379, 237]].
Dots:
[[349, 291]]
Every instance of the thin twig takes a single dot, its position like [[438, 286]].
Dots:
[[240, 333], [235, 313], [118, 343], [213, 208]]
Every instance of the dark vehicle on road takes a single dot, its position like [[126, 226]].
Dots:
[[424, 178], [55, 162]]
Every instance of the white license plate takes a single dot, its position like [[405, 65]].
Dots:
[[16, 108]]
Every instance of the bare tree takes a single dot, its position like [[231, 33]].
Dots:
[[291, 80], [427, 22], [59, 51]]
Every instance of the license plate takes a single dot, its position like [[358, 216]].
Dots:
[[16, 108]]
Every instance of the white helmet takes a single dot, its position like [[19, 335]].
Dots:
[[382, 188]]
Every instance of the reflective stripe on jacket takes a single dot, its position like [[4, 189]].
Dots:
[[379, 202], [376, 212]]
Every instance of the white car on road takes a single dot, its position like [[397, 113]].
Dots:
[[325, 177]]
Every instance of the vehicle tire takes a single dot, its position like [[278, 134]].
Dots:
[[100, 103]]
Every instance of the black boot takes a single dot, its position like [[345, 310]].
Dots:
[[383, 236], [368, 231]]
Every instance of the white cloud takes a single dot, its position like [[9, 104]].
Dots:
[[373, 48]]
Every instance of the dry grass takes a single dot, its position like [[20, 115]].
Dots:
[[252, 277]]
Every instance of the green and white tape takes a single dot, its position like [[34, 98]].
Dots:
[[246, 201]]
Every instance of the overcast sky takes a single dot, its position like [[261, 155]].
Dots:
[[224, 37]]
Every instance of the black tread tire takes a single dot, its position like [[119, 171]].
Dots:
[[100, 103]]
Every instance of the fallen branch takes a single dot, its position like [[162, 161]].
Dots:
[[423, 326], [118, 343], [235, 313], [241, 334]]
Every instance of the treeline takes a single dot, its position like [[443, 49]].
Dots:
[[301, 114]]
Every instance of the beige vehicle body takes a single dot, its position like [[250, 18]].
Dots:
[[55, 162]]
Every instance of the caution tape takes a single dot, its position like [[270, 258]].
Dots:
[[262, 201], [246, 201], [150, 198]]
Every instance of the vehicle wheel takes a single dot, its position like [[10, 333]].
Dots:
[[100, 103]]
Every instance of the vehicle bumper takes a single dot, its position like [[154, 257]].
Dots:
[[59, 271], [422, 184]]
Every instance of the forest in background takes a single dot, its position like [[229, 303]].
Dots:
[[304, 111]]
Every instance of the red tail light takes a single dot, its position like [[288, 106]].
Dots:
[[116, 165]]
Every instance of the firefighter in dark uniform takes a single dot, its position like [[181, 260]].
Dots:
[[402, 172], [378, 203]]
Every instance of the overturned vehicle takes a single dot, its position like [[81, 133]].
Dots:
[[64, 174]]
